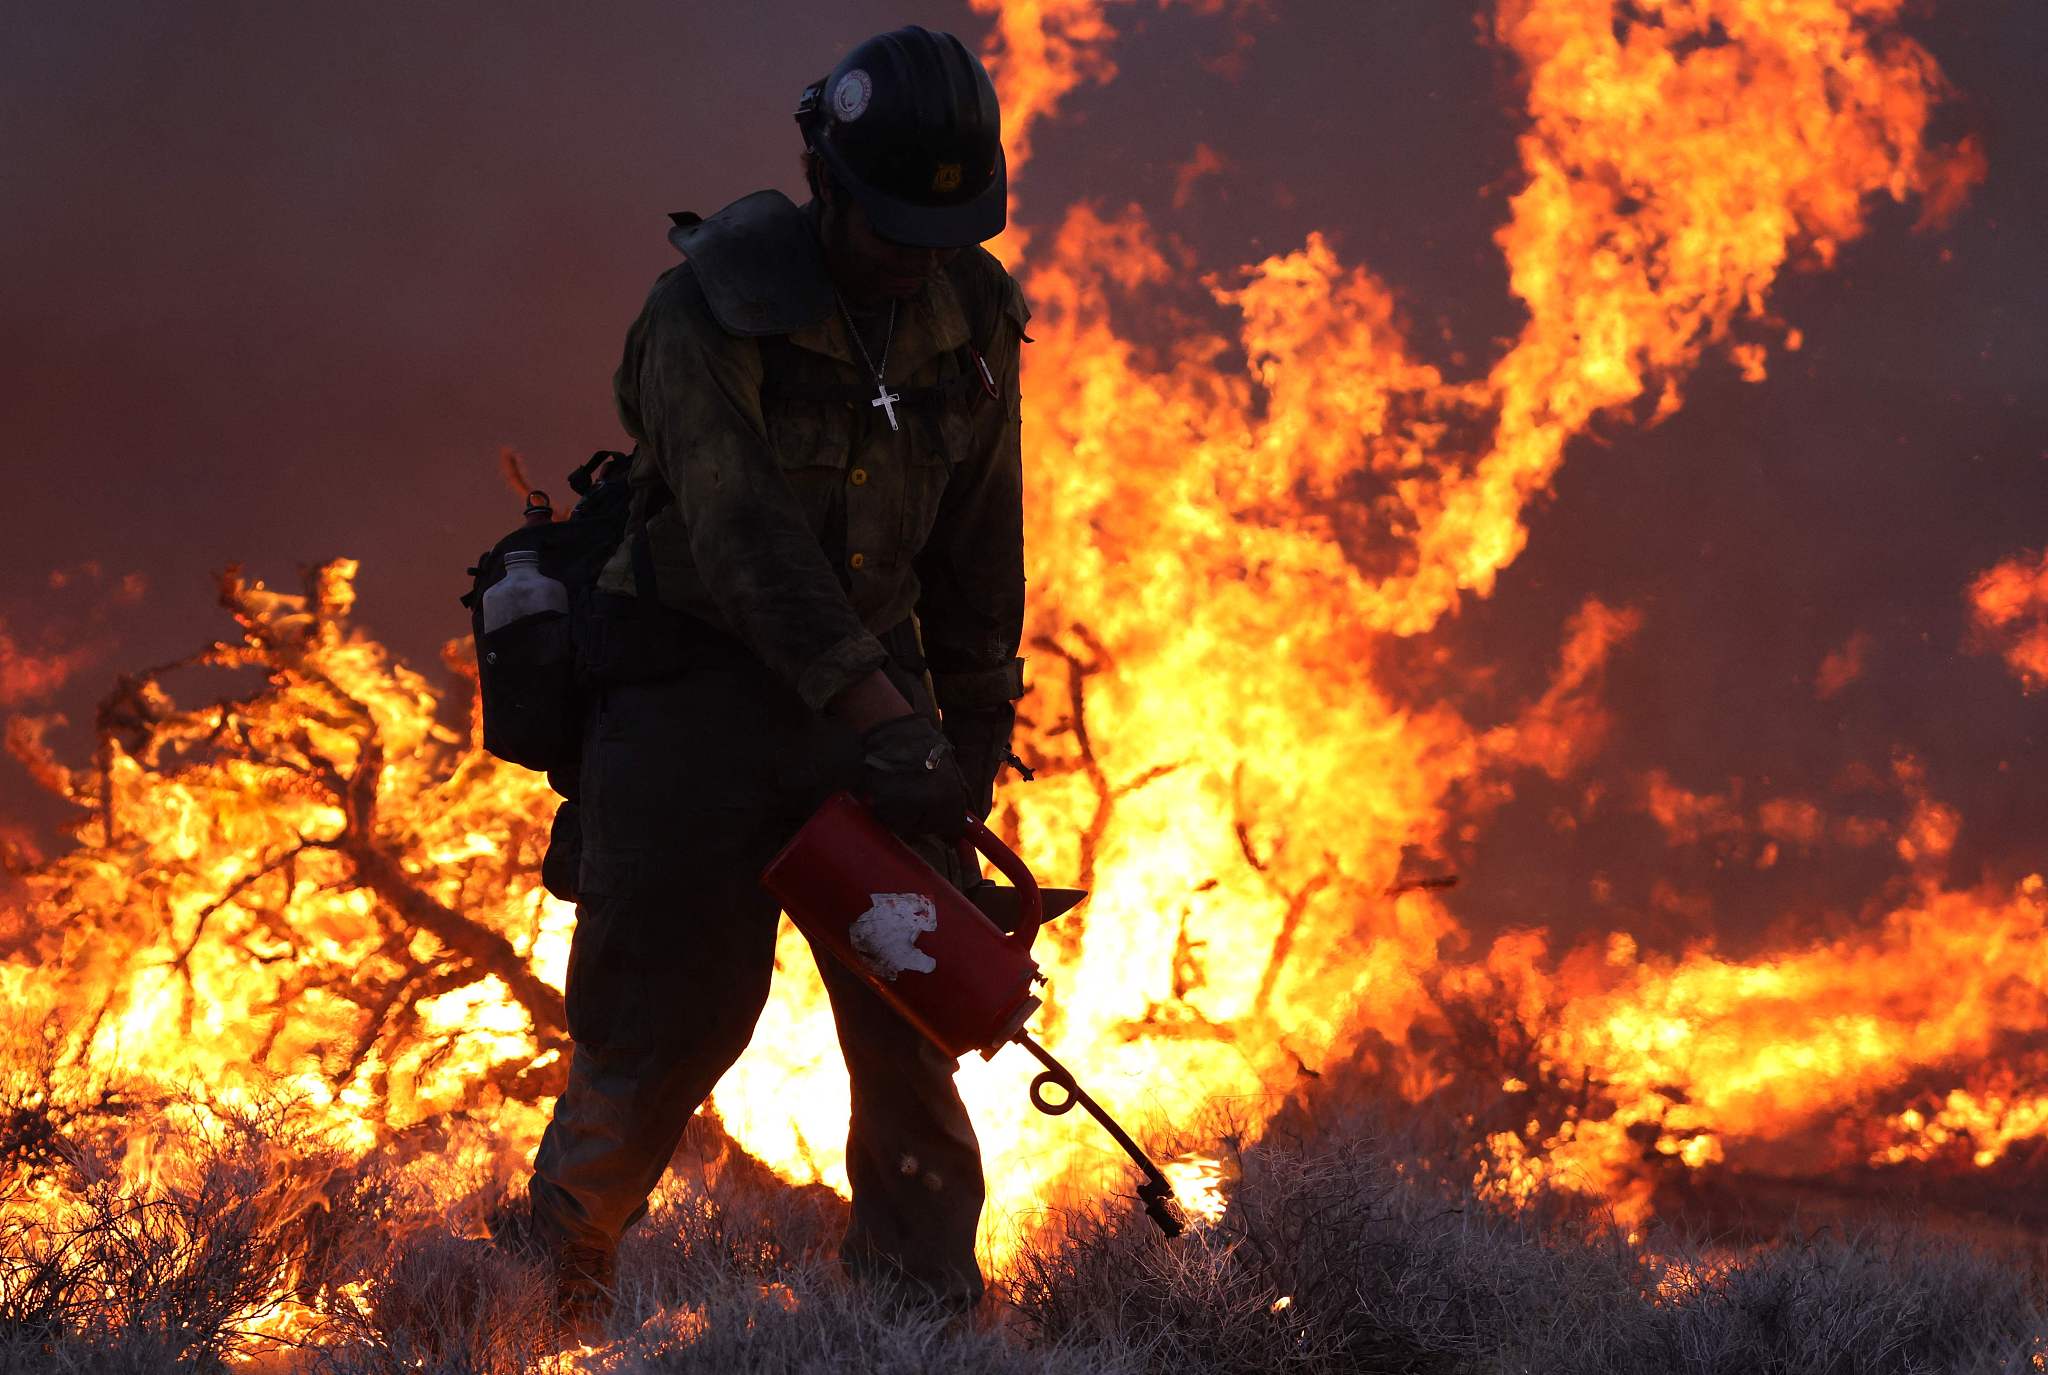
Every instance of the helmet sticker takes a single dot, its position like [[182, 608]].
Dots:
[[947, 178], [850, 96]]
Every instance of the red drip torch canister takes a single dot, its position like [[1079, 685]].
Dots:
[[850, 885]]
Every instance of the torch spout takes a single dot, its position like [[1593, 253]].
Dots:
[[1155, 1193]]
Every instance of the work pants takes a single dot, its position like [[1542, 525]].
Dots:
[[688, 787]]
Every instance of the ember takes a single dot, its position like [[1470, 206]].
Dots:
[[2010, 605]]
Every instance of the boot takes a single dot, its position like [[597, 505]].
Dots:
[[584, 1293], [585, 1290]]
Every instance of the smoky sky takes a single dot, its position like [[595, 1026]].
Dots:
[[280, 281]]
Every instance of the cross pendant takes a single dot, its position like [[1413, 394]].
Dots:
[[887, 400]]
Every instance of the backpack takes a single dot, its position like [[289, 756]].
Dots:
[[526, 671]]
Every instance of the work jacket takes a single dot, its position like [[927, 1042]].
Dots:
[[778, 504]]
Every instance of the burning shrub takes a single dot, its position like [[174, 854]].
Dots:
[[1351, 1242], [444, 1305], [317, 899], [185, 1256]]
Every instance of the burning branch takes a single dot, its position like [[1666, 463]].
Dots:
[[1072, 724], [484, 950], [318, 860], [1297, 901]]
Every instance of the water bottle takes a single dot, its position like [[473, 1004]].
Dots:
[[523, 591]]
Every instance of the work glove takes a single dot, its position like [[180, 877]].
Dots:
[[981, 742], [911, 780]]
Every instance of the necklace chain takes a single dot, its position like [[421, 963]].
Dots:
[[888, 338]]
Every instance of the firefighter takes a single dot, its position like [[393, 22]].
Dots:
[[821, 587]]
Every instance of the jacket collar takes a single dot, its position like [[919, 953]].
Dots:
[[762, 273], [758, 263], [928, 324]]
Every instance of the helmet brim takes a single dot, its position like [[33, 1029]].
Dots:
[[927, 226]]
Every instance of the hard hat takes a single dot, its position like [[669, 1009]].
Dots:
[[908, 123]]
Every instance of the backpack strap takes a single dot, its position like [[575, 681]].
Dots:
[[645, 588], [586, 475]]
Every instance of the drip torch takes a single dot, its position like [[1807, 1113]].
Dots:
[[931, 952]]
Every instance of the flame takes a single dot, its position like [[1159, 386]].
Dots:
[[1699, 1053], [1198, 1186], [2009, 608], [326, 885], [1982, 1124], [26, 675], [33, 667]]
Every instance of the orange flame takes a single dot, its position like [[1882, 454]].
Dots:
[[327, 883], [2009, 606]]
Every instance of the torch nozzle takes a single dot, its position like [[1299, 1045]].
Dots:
[[1155, 1192], [1157, 1196]]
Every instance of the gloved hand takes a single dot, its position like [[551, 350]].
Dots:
[[911, 780], [981, 742]]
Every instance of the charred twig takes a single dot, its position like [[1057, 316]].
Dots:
[[379, 1009], [483, 948], [1296, 902], [183, 959], [1189, 973], [1075, 723]]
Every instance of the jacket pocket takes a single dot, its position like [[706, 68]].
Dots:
[[810, 434], [943, 444], [812, 440]]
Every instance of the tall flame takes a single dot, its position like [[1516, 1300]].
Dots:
[[1218, 558]]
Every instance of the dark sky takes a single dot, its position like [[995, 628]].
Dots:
[[280, 280]]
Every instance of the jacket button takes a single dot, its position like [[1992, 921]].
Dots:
[[857, 560], [858, 477]]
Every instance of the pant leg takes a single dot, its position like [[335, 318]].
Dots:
[[669, 970], [657, 1022], [674, 945], [911, 1154]]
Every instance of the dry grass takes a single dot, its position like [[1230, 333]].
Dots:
[[1339, 1255], [1343, 1251]]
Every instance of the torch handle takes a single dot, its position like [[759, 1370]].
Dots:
[[981, 838], [1155, 1193]]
